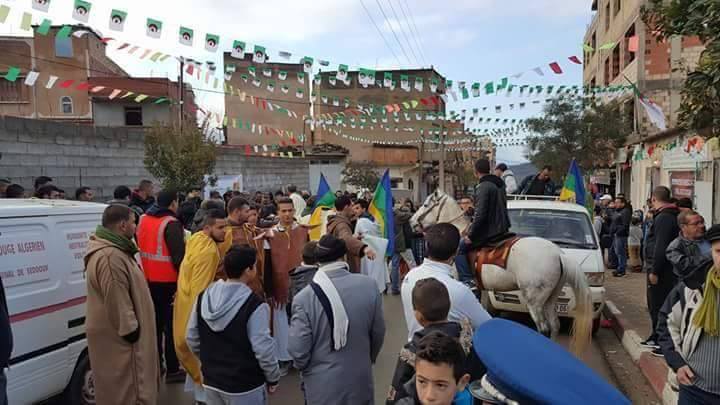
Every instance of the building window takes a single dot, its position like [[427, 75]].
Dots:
[[63, 47], [616, 62], [13, 91], [606, 79], [629, 56], [607, 17], [593, 82], [593, 41], [66, 105], [133, 116], [618, 4]]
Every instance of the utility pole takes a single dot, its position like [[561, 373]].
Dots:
[[442, 156], [421, 169], [181, 83]]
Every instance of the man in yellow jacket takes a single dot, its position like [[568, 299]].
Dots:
[[203, 254]]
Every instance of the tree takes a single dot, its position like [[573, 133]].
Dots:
[[700, 107], [360, 175], [179, 159], [572, 128]]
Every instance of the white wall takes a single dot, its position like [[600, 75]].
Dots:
[[332, 173], [113, 114]]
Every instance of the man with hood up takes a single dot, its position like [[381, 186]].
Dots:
[[229, 330]]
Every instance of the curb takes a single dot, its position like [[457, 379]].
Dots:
[[653, 368]]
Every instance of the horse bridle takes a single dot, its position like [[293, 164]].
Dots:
[[439, 203]]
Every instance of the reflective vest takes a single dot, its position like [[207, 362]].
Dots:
[[154, 253]]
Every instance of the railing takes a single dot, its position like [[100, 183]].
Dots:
[[523, 197]]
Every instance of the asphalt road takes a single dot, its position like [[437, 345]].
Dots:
[[396, 334]]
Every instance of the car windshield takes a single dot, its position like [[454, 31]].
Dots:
[[567, 229]]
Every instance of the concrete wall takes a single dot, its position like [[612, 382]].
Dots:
[[106, 157], [113, 114]]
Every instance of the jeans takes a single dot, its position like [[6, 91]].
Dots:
[[620, 249], [612, 257], [461, 262], [407, 256], [162, 295], [256, 397], [692, 395], [3, 388]]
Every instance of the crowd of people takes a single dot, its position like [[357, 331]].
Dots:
[[670, 243], [227, 294]]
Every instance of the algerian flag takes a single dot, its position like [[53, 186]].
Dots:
[[244, 78], [336, 101], [267, 72], [393, 85], [252, 70], [285, 89], [153, 28], [307, 64], [366, 77], [238, 50], [211, 42], [186, 36], [418, 83], [332, 80], [654, 111], [489, 88], [434, 82], [476, 89], [301, 77], [41, 5], [81, 11], [117, 20], [342, 73], [405, 82], [259, 54], [299, 93], [256, 82], [324, 99], [282, 75], [387, 79], [323, 62]]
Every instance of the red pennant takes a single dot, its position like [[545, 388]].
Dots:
[[633, 43], [83, 86], [283, 143], [556, 68], [293, 140], [264, 105], [190, 69], [107, 39], [67, 83], [435, 100], [575, 59], [247, 149], [423, 101], [397, 108]]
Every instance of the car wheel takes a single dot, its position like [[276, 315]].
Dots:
[[596, 325], [81, 390], [487, 304]]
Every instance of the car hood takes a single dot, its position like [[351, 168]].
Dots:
[[589, 260]]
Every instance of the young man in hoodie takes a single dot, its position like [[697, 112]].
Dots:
[[229, 332], [302, 275], [508, 177], [431, 302]]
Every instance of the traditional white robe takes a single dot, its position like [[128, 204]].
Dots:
[[375, 269]]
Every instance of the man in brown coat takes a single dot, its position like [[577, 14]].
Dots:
[[241, 229], [120, 322], [340, 226]]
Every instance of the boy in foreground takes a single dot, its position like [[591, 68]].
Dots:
[[229, 331]]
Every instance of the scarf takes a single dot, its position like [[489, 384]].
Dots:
[[121, 242], [339, 320], [707, 316]]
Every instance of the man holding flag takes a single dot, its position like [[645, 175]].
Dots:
[[325, 201]]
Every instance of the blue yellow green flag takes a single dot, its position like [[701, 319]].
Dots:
[[574, 187], [325, 198], [381, 208]]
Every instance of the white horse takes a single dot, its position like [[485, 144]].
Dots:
[[535, 266]]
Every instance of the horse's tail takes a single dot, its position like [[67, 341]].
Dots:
[[581, 333]]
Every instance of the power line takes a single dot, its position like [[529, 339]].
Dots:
[[403, 32], [381, 34], [413, 32], [402, 48], [417, 32]]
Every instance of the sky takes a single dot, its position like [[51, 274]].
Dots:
[[464, 40]]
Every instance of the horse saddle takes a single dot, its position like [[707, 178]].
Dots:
[[496, 253]]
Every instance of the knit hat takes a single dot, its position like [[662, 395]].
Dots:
[[713, 234], [330, 249]]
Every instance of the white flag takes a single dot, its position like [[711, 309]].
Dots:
[[31, 78], [654, 112], [51, 82]]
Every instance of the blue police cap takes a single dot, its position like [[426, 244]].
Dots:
[[531, 369]]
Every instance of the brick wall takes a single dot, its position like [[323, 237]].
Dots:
[[106, 157]]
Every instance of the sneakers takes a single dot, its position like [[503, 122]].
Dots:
[[285, 368], [175, 377], [657, 353], [618, 274], [650, 344]]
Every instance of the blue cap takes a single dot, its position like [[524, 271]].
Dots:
[[531, 369]]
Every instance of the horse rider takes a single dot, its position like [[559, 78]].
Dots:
[[490, 222]]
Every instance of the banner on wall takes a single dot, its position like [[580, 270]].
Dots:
[[682, 184]]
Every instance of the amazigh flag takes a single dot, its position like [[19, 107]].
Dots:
[[381, 208], [574, 188], [325, 199]]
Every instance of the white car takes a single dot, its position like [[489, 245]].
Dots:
[[569, 226], [42, 245]]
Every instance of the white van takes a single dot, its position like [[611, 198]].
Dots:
[[42, 244]]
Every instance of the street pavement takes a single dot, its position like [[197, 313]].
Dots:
[[395, 336]]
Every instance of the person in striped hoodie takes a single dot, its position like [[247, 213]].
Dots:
[[689, 330]]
